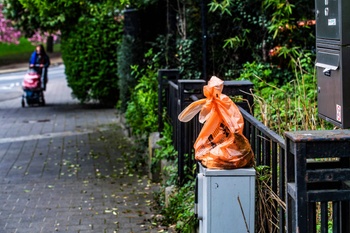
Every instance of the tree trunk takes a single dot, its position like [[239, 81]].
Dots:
[[49, 44]]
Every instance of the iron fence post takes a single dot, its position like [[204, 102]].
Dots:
[[317, 171], [164, 76], [186, 89]]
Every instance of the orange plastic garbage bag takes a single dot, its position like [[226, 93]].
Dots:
[[220, 144]]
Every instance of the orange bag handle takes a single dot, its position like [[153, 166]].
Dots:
[[203, 105], [191, 110], [215, 101]]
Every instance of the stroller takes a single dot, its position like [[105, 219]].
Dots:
[[32, 89]]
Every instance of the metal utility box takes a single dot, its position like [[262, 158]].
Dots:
[[226, 200], [333, 56]]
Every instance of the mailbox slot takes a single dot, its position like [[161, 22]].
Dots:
[[328, 59]]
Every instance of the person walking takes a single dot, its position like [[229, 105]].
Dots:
[[40, 61]]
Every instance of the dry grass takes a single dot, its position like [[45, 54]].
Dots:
[[268, 203]]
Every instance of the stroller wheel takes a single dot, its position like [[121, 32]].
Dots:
[[23, 104]]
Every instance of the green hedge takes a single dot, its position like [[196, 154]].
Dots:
[[129, 53], [89, 52]]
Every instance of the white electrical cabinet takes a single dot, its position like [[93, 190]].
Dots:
[[226, 200]]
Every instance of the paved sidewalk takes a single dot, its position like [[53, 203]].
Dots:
[[65, 167]]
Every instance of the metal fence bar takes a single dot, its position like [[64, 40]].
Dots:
[[269, 150], [281, 189], [164, 76], [186, 88], [172, 110]]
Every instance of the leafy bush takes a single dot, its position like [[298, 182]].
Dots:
[[168, 153], [188, 64], [142, 110], [179, 213], [128, 55], [90, 54], [180, 210], [289, 106]]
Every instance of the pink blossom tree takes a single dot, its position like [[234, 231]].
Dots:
[[42, 37], [8, 34]]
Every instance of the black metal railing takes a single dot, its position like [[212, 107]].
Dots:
[[318, 177], [164, 76], [266, 144], [269, 149]]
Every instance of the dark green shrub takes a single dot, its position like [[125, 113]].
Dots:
[[89, 52], [129, 53], [189, 65]]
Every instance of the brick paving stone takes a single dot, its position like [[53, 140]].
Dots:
[[62, 169]]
